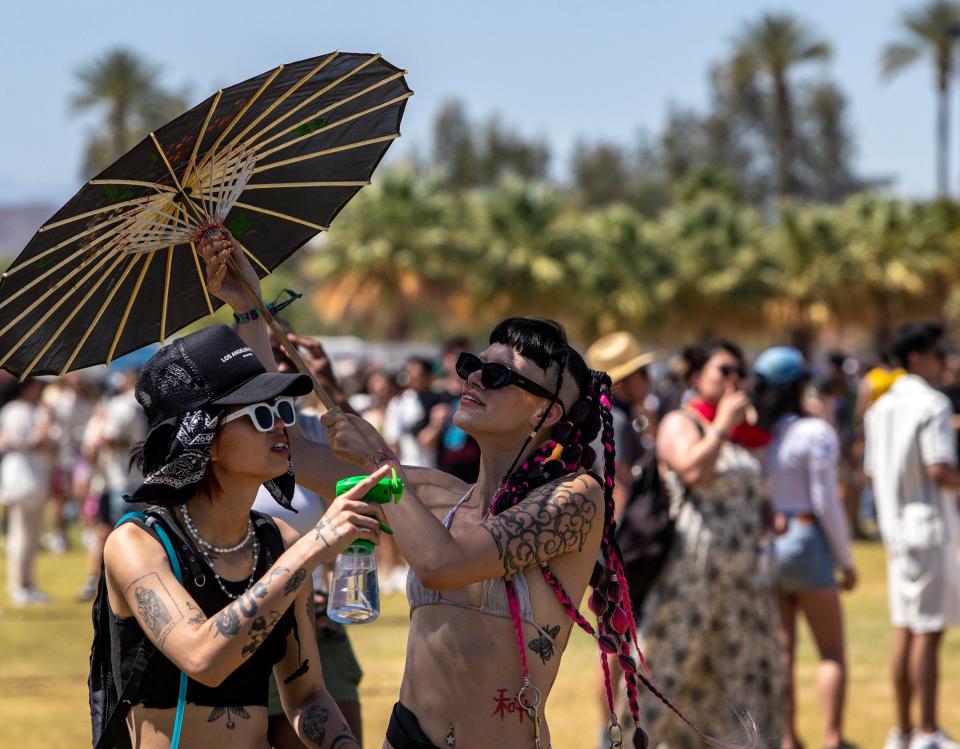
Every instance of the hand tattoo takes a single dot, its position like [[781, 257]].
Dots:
[[153, 611], [543, 645], [314, 723], [229, 711], [548, 523], [294, 582]]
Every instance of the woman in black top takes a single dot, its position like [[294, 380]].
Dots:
[[245, 606]]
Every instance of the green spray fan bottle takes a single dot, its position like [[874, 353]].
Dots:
[[355, 593]]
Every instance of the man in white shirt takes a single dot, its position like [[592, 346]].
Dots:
[[910, 457]]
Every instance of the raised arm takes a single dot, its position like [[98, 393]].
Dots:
[[140, 580], [553, 520]]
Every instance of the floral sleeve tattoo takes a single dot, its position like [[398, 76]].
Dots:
[[545, 525]]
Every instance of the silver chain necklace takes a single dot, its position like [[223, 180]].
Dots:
[[255, 554], [188, 521]]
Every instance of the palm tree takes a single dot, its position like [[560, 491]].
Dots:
[[931, 30], [125, 85], [392, 266], [767, 50]]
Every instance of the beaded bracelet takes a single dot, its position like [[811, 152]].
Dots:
[[273, 308]]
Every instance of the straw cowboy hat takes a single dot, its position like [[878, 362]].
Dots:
[[619, 355]]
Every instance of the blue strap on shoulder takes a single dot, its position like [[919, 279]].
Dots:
[[175, 565]]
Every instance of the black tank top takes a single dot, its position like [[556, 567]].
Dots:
[[249, 683]]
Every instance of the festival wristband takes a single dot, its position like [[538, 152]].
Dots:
[[242, 318]]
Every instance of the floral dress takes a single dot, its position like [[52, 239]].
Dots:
[[709, 630]]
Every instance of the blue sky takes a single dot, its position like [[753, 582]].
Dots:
[[559, 69]]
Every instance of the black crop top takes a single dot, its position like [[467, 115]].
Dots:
[[249, 683]]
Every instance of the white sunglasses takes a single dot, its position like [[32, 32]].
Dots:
[[264, 415]]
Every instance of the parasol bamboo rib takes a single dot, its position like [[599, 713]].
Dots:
[[203, 281], [95, 211], [56, 305], [63, 244], [133, 183], [259, 118], [330, 108], [103, 308], [252, 140], [73, 313], [243, 111], [50, 271], [331, 126], [277, 214], [100, 312], [126, 312], [255, 259], [203, 131], [284, 185], [280, 333], [166, 296], [327, 152], [166, 162]]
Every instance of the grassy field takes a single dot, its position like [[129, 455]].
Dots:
[[44, 660]]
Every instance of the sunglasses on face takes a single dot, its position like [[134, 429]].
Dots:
[[728, 370], [494, 376], [264, 415]]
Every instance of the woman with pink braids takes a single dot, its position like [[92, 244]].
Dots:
[[494, 583]]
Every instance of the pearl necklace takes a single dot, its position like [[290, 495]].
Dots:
[[206, 544], [255, 553]]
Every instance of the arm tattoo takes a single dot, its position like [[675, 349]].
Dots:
[[294, 582], [542, 527], [314, 724], [228, 621], [152, 609], [260, 589], [543, 644], [260, 629], [198, 616], [229, 711]]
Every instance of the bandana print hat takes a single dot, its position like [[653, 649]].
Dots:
[[184, 390]]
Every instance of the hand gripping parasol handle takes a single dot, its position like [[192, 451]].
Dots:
[[280, 333]]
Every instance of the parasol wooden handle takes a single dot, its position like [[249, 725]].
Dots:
[[280, 333]]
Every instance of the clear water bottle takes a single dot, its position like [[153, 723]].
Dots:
[[355, 592]]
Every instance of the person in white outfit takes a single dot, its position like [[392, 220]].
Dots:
[[910, 457], [24, 487]]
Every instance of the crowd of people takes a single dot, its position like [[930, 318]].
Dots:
[[737, 490]]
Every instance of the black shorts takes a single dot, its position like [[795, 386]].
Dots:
[[404, 730]]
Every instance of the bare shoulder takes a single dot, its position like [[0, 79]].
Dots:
[[129, 550]]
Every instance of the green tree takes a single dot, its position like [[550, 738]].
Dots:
[[468, 154], [930, 31], [765, 53], [391, 265], [125, 88]]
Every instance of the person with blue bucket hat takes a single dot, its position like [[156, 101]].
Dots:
[[813, 539]]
